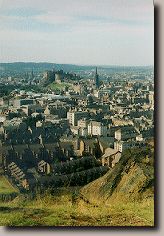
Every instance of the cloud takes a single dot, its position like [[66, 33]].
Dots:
[[21, 12], [52, 18], [135, 10], [80, 27], [71, 15]]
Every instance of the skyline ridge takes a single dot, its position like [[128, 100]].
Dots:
[[77, 64]]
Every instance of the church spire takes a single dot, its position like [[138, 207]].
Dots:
[[96, 79]]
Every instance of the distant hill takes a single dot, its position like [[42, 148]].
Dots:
[[132, 178], [42, 66]]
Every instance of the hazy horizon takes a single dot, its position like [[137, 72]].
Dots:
[[106, 32], [50, 62]]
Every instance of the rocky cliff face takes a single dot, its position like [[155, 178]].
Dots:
[[132, 178]]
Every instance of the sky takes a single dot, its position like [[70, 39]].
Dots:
[[85, 32]]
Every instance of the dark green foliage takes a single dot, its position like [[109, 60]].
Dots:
[[76, 165], [75, 179], [31, 121], [12, 115], [8, 197]]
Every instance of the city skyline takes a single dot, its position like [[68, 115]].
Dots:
[[81, 32]]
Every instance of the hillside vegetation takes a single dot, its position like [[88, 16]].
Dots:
[[131, 179], [124, 196], [56, 86], [6, 187], [59, 210]]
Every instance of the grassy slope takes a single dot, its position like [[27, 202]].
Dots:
[[56, 86], [59, 211], [131, 179], [122, 197], [5, 186]]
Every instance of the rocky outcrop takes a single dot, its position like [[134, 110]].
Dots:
[[132, 178]]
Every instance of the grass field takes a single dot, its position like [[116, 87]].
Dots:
[[56, 86], [5, 186], [60, 211]]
